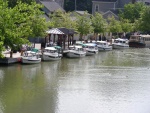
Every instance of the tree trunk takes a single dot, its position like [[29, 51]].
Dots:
[[11, 54], [96, 36], [21, 52], [81, 37]]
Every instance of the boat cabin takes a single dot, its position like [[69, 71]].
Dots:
[[50, 50], [90, 45], [76, 48], [119, 40], [139, 41]]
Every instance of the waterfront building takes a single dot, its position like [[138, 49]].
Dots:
[[112, 7], [60, 2], [50, 6]]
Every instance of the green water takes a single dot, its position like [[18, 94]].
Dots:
[[117, 81]]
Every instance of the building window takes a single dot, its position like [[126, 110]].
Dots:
[[147, 3], [96, 8]]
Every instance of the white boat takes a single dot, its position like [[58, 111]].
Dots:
[[120, 44], [76, 52], [91, 49], [103, 46], [51, 53], [31, 57], [59, 50]]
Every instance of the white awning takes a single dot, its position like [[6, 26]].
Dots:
[[54, 31]]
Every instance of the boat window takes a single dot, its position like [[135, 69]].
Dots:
[[116, 41], [90, 47], [133, 38], [71, 48]]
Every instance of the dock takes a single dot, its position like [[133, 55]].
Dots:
[[7, 60]]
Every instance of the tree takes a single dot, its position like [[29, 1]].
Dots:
[[98, 23], [13, 3], [126, 25], [1, 49], [83, 25], [132, 11], [3, 12], [144, 21], [62, 19], [20, 22], [114, 26]]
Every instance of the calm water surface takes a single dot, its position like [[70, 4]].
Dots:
[[117, 81]]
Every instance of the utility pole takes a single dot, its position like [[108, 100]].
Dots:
[[133, 1], [75, 5]]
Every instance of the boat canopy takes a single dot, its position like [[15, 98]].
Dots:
[[57, 47], [90, 44], [34, 50], [50, 48], [78, 46], [120, 39], [101, 42]]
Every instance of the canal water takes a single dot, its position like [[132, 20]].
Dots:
[[117, 81]]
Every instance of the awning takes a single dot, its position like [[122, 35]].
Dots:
[[54, 31]]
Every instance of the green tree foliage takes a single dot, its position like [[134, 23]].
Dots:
[[126, 25], [34, 18], [114, 25], [1, 49], [84, 24], [3, 17], [132, 11], [144, 21], [98, 23], [62, 19], [13, 3], [20, 22]]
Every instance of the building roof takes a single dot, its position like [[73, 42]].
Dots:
[[61, 31], [45, 16], [54, 31], [52, 6], [82, 12], [67, 31], [105, 0], [109, 13]]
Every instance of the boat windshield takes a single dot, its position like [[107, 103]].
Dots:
[[120, 41], [71, 48], [91, 47], [50, 51], [79, 49]]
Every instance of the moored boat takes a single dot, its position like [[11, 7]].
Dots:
[[139, 41], [31, 57], [120, 44], [103, 46], [91, 49], [51, 53], [76, 52]]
